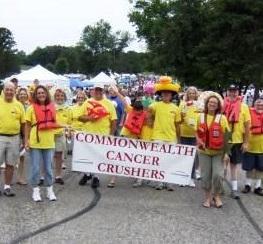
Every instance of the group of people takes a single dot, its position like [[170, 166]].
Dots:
[[225, 131]]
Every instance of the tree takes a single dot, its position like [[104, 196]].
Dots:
[[172, 30], [232, 49], [51, 67], [61, 65], [100, 38], [49, 55], [203, 42], [8, 60]]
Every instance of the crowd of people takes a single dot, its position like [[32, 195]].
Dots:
[[225, 131]]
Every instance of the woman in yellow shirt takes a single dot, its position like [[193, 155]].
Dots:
[[22, 96], [212, 141], [189, 115], [39, 138], [63, 118], [253, 159], [77, 111]]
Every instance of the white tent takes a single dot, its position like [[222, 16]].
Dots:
[[45, 77], [103, 79]]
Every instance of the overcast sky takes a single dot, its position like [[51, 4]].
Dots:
[[51, 22]]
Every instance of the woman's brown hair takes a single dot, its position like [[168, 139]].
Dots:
[[35, 100], [220, 105]]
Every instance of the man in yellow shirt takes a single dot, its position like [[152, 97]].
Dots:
[[253, 158], [167, 117], [238, 117], [12, 123], [102, 125]]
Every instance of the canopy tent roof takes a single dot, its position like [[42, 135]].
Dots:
[[76, 83], [103, 79], [44, 76]]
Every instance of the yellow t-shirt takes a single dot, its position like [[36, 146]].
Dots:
[[12, 115], [63, 117], [100, 126], [76, 112], [239, 128], [146, 133], [188, 125], [225, 127], [46, 137], [255, 143], [165, 117]]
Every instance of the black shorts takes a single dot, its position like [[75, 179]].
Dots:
[[236, 155], [188, 141], [252, 161]]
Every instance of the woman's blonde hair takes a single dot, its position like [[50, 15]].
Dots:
[[191, 88]]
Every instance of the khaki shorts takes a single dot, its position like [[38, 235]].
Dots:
[[60, 143], [9, 149]]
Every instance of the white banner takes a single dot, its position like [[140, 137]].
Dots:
[[120, 156]]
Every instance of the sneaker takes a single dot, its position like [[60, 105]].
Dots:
[[59, 181], [192, 183], [151, 183], [246, 189], [235, 195], [197, 175], [159, 186], [95, 182], [170, 187], [84, 179], [41, 182], [64, 166], [8, 192], [258, 191], [137, 183], [36, 195], [50, 194], [2, 166]]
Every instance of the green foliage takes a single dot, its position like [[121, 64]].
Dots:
[[8, 60], [61, 65], [51, 67], [206, 43], [49, 55], [100, 49], [100, 38]]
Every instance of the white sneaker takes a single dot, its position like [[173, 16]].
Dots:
[[36, 194], [192, 183], [137, 183], [2, 166], [50, 194], [197, 175]]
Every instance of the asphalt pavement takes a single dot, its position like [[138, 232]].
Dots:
[[128, 215]]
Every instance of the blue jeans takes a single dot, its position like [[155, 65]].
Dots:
[[37, 156]]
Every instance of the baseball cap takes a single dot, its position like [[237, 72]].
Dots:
[[101, 86], [232, 87]]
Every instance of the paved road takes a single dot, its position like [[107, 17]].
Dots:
[[127, 215]]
